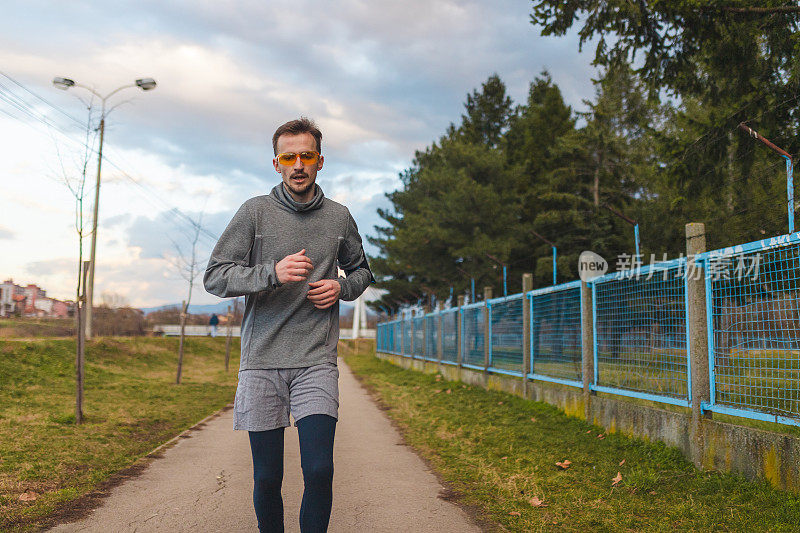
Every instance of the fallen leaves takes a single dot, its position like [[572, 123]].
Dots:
[[499, 403], [622, 462], [536, 502], [616, 479], [448, 391], [437, 391], [564, 464], [514, 513], [533, 419], [601, 436], [28, 496]]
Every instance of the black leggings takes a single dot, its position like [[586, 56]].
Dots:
[[316, 458]]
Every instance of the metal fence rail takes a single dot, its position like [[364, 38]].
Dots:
[[640, 333], [506, 334], [556, 334], [754, 340]]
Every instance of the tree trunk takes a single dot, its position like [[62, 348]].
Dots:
[[180, 345], [80, 348]]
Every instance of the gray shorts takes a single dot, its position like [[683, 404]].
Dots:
[[264, 398]]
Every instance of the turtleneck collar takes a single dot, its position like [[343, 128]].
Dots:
[[283, 197]]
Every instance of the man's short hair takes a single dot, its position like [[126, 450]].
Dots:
[[296, 127]]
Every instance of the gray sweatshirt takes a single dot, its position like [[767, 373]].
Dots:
[[281, 327]]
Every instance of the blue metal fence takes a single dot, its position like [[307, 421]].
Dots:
[[450, 335], [753, 296], [432, 336], [556, 334], [639, 319], [473, 333], [640, 333], [419, 336], [505, 353]]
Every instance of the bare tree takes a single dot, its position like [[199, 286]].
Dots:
[[188, 265], [113, 300], [74, 177]]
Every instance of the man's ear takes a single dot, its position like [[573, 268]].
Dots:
[[319, 164], [275, 164]]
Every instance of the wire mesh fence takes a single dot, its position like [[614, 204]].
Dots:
[[419, 336], [506, 329], [408, 336], [556, 332], [639, 320], [450, 335], [432, 337], [640, 330], [755, 308], [473, 335]]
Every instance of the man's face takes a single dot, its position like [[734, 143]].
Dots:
[[299, 178]]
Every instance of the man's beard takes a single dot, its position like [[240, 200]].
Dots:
[[300, 189]]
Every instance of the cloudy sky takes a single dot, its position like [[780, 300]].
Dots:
[[381, 78]]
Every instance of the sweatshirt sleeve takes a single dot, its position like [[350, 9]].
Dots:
[[354, 263], [230, 271]]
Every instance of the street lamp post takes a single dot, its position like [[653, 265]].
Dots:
[[145, 84]]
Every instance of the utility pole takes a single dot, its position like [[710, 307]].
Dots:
[[789, 169]]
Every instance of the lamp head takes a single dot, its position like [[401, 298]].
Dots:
[[146, 84], [63, 83]]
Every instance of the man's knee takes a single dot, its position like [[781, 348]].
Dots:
[[268, 480], [318, 473]]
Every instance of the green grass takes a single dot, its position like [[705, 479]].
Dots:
[[131, 406], [499, 451]]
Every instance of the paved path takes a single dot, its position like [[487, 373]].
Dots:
[[204, 482]]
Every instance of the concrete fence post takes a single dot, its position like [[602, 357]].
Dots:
[[527, 285], [459, 336], [487, 331], [587, 348], [696, 317]]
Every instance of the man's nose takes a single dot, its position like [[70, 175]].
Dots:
[[298, 164]]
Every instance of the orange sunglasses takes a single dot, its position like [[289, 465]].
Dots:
[[308, 157]]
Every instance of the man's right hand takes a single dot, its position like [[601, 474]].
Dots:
[[294, 267]]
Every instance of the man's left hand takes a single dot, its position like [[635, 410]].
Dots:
[[324, 293]]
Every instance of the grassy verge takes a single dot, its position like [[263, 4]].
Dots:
[[131, 406], [37, 327], [500, 452]]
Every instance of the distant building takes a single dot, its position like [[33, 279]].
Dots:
[[30, 300]]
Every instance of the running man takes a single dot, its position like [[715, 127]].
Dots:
[[282, 251]]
